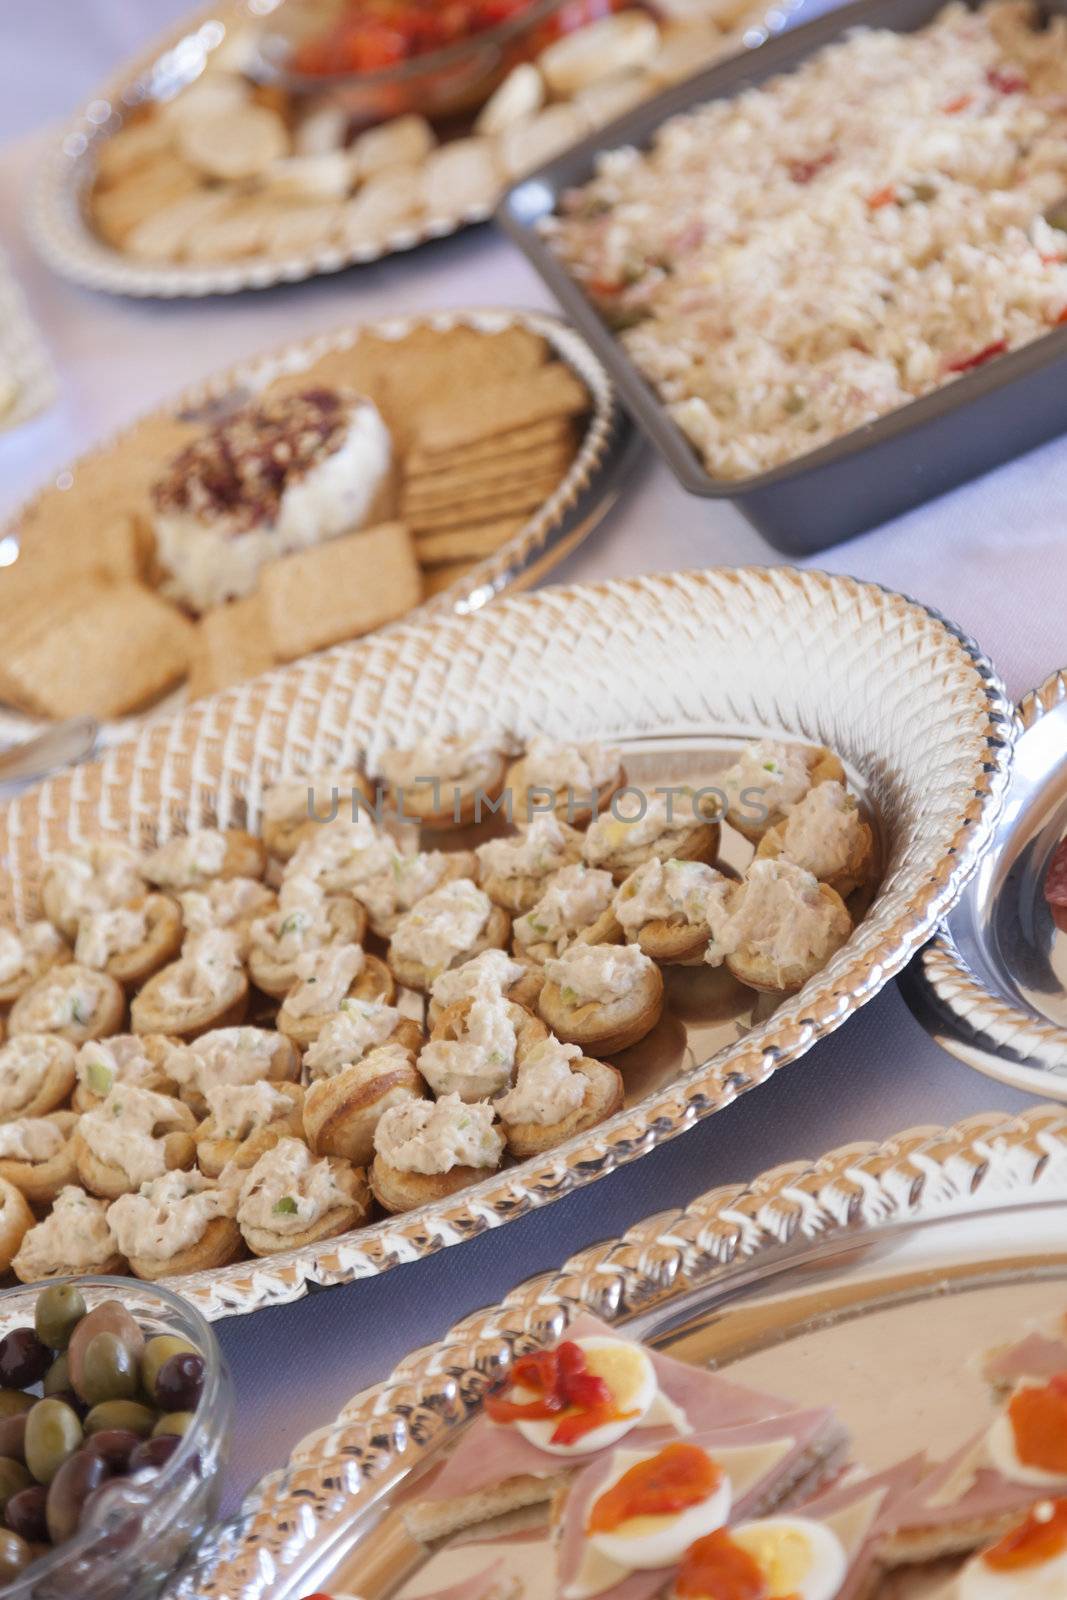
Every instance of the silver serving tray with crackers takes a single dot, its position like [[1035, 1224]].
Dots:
[[111, 481], [59, 208], [991, 987], [679, 670], [882, 1269]]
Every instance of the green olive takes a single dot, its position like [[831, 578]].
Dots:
[[57, 1378], [112, 1317], [109, 1370], [13, 1401], [59, 1310], [178, 1422], [53, 1433], [13, 1477], [157, 1352], [125, 1414], [15, 1555]]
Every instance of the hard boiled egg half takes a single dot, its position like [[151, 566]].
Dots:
[[798, 1557], [1030, 1563], [660, 1540], [628, 1372]]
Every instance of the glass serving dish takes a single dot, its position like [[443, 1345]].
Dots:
[[142, 1533], [438, 83]]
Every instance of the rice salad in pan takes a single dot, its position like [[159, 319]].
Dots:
[[790, 264]]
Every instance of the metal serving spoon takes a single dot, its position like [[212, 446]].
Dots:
[[63, 745]]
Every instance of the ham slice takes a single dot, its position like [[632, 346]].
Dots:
[[490, 1453], [960, 1504], [862, 1511], [1039, 1355], [805, 1439]]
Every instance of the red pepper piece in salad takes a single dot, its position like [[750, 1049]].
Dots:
[[980, 357], [802, 170], [1004, 81]]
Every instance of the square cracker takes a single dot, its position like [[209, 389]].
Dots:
[[101, 649], [477, 540], [555, 430], [232, 645], [446, 488], [443, 577], [526, 496], [465, 415], [340, 590]]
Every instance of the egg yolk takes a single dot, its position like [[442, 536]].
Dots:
[[1038, 1419], [566, 1386], [679, 1476], [718, 1568], [1042, 1537]]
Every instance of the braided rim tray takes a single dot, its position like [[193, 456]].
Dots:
[[300, 1522], [987, 1031], [902, 696]]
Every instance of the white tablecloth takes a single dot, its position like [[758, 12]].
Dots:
[[993, 556]]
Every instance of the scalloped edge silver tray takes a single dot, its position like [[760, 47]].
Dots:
[[63, 238], [672, 655], [592, 486], [964, 1016], [300, 1523]]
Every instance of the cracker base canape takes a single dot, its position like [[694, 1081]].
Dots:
[[342, 1219], [413, 975], [373, 982], [284, 836], [213, 1152], [105, 1017], [150, 1013], [858, 870], [397, 1191], [16, 1220], [341, 1113], [757, 972], [605, 1028], [348, 925], [219, 1245], [109, 1181], [566, 809], [41, 1181], [823, 767], [161, 945]]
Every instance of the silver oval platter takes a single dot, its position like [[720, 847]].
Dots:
[[272, 248], [606, 447], [679, 670], [881, 1269], [991, 988]]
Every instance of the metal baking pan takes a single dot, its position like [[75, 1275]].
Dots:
[[903, 459]]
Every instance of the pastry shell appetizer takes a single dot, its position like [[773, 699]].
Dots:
[[339, 858], [16, 1220], [390, 895], [244, 1120], [131, 942], [232, 904], [273, 954], [475, 1044], [558, 1092], [133, 1136], [138, 1058], [663, 908], [768, 777], [326, 979], [427, 1150], [73, 1239], [604, 997], [494, 972], [513, 871], [37, 1155], [444, 930], [778, 927], [825, 834], [196, 858], [294, 809], [576, 903], [679, 825], [96, 877], [292, 1198], [576, 780], [359, 1027], [36, 1075], [73, 1003], [235, 1056], [180, 1222], [207, 988], [342, 1112], [444, 783], [26, 954]]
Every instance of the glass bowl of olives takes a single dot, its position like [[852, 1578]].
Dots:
[[115, 1413]]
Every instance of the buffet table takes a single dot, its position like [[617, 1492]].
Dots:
[[988, 555]]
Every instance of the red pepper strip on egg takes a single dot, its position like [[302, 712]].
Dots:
[[980, 357], [718, 1568], [677, 1477], [1042, 1537], [563, 1384], [1038, 1418]]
